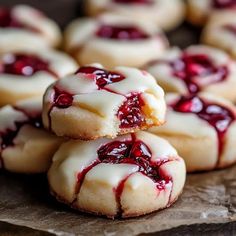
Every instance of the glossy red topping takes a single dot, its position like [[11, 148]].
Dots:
[[62, 99], [224, 3], [140, 2], [188, 67], [216, 115], [130, 113], [101, 76], [121, 32], [20, 64], [8, 135], [133, 152]]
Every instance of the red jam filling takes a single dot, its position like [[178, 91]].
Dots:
[[25, 65], [139, 2], [62, 99], [130, 113], [188, 67], [221, 4], [101, 76], [216, 115], [9, 135], [121, 32], [130, 152]]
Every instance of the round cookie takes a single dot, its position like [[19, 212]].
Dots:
[[25, 74], [114, 41], [23, 27], [25, 147], [129, 176], [147, 10], [200, 10], [203, 130], [95, 103], [197, 68], [220, 32]]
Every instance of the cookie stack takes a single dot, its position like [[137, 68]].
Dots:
[[109, 140], [91, 121], [119, 170]]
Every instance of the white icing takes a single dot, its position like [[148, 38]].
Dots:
[[111, 174]]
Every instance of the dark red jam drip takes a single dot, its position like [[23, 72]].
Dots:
[[188, 67], [138, 2], [62, 99], [9, 135], [121, 32], [26, 65], [216, 115], [102, 77], [130, 113], [222, 4]]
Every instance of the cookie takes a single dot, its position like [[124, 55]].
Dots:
[[25, 147], [114, 41], [203, 130], [129, 176], [220, 32], [23, 27], [96, 102], [195, 69], [26, 74], [147, 10], [200, 10]]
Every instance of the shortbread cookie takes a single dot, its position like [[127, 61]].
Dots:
[[195, 69], [129, 176], [96, 102], [114, 41], [25, 147], [200, 10], [25, 74], [23, 27], [203, 130], [166, 14], [220, 32]]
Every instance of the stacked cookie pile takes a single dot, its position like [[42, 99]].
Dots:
[[103, 161], [102, 132], [123, 171]]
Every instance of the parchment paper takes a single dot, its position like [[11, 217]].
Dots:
[[207, 198]]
